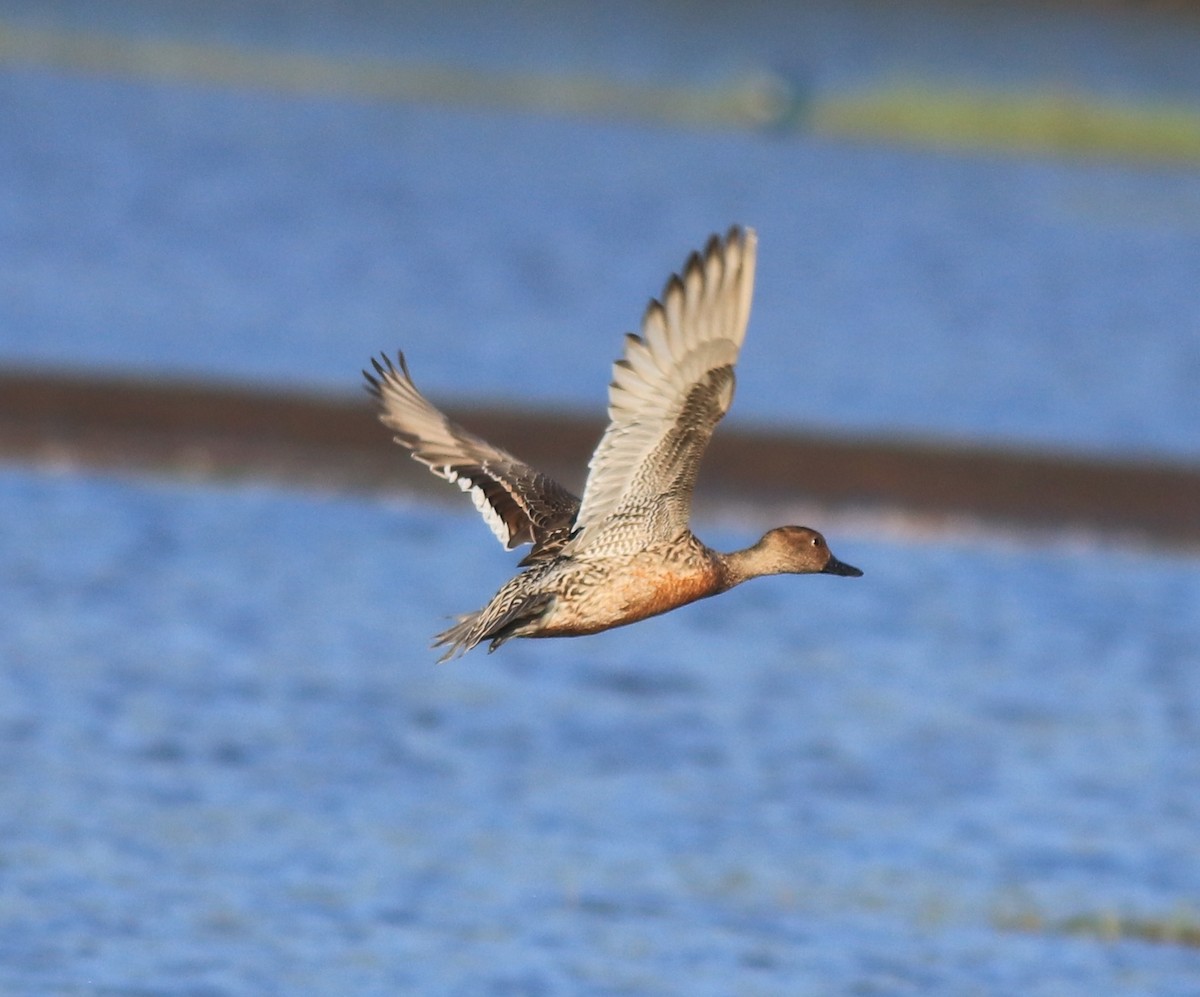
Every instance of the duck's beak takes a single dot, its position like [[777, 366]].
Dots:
[[835, 567]]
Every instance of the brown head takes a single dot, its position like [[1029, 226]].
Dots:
[[794, 550]]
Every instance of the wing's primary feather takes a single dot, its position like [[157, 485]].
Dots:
[[668, 393], [519, 504]]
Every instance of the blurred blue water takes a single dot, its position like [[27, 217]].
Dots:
[[231, 765], [218, 232]]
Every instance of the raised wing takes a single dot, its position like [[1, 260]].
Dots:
[[667, 395], [520, 505]]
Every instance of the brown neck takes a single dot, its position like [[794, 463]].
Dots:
[[739, 566]]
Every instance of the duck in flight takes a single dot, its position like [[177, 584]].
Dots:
[[624, 551]]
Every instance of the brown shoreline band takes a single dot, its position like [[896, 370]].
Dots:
[[222, 430]]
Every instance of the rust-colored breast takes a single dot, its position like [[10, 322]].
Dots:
[[666, 589], [617, 591]]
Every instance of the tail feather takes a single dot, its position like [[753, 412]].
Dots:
[[460, 637], [497, 622]]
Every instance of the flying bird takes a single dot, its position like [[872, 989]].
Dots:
[[624, 551]]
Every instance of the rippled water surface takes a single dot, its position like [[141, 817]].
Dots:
[[232, 765]]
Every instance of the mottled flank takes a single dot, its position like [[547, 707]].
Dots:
[[625, 551]]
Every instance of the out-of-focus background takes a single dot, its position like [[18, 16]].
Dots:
[[974, 361]]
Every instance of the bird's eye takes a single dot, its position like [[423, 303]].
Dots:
[[816, 541]]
